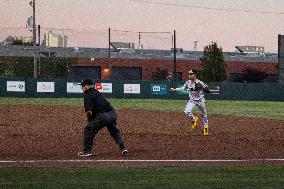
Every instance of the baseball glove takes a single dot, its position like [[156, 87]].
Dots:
[[198, 87]]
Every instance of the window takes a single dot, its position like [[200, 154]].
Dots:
[[92, 72], [126, 73]]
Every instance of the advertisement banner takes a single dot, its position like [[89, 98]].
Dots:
[[159, 89], [131, 88], [182, 92], [45, 87], [73, 88], [16, 86], [104, 87]]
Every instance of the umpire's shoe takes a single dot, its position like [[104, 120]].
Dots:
[[122, 148], [194, 122], [123, 151], [84, 154]]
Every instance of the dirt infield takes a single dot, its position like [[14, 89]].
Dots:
[[47, 134]]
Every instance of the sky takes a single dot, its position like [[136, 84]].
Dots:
[[230, 23]]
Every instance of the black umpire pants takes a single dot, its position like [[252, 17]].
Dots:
[[106, 119]]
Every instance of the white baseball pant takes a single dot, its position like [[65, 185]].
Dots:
[[201, 106]]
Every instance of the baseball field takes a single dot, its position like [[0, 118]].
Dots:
[[40, 138]]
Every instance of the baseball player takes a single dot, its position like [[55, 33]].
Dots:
[[99, 114], [196, 89]]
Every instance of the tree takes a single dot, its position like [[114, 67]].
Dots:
[[214, 66], [20, 42], [53, 67]]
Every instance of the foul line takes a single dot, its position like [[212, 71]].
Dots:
[[137, 160]]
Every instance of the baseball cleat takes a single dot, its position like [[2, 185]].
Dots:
[[84, 154], [194, 122], [205, 130]]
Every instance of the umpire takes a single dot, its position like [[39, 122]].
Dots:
[[99, 114]]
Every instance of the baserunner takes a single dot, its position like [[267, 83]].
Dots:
[[196, 88]]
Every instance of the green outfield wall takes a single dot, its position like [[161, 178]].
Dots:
[[64, 88]]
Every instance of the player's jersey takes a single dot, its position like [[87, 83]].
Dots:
[[194, 94]]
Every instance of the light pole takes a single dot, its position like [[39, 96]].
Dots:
[[175, 59], [32, 4]]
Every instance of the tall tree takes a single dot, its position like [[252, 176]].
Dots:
[[214, 66]]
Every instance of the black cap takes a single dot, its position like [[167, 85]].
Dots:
[[192, 72], [86, 82]]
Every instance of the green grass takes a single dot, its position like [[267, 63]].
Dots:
[[162, 177], [257, 109]]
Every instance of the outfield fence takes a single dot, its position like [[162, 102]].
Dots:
[[68, 88]]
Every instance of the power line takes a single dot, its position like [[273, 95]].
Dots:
[[102, 31], [59, 29], [145, 32], [77, 30], [207, 8], [12, 28]]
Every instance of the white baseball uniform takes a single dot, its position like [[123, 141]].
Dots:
[[196, 98]]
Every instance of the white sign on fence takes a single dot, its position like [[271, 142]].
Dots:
[[45, 87], [74, 88], [16, 86], [131, 88]]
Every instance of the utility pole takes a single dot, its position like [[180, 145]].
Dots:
[[195, 45], [109, 43], [32, 3], [175, 60], [109, 55], [38, 30], [139, 39]]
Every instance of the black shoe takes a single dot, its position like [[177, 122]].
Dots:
[[123, 151], [122, 148], [84, 154]]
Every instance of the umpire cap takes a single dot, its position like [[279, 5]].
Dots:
[[86, 82]]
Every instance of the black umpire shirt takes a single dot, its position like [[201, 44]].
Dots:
[[95, 101]]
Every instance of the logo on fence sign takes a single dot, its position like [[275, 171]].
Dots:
[[16, 86], [104, 87], [45, 87], [158, 89], [131, 88], [73, 88]]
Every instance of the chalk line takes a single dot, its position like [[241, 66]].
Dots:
[[136, 160]]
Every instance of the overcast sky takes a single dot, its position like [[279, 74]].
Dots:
[[228, 22]]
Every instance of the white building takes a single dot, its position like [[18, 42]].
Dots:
[[55, 40]]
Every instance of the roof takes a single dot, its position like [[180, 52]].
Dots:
[[27, 51]]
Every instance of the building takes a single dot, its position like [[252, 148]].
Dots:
[[139, 64], [142, 69], [251, 50], [54, 40], [28, 39]]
